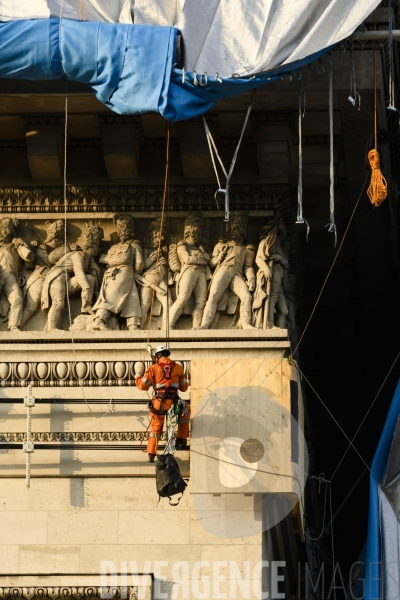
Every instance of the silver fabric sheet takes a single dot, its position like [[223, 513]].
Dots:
[[223, 36]]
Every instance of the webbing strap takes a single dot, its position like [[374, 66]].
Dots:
[[331, 225], [167, 372], [213, 148], [302, 108]]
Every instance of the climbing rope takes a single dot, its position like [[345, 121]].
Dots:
[[165, 195], [351, 444], [166, 186], [83, 11], [377, 190], [330, 270], [111, 406], [173, 417]]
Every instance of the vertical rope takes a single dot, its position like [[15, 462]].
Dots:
[[111, 408], [377, 191], [354, 95], [391, 102], [83, 12], [333, 544], [166, 180], [302, 108], [331, 226], [375, 99]]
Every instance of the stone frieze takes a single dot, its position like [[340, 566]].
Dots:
[[69, 374], [66, 593], [73, 436], [109, 198]]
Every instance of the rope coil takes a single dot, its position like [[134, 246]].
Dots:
[[377, 191]]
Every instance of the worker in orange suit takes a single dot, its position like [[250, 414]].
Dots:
[[166, 378]]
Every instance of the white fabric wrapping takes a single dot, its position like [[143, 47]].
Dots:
[[248, 36], [390, 538], [109, 11], [223, 36]]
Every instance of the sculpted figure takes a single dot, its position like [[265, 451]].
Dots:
[[118, 293], [13, 251], [154, 279], [233, 269], [269, 306], [82, 276], [45, 257], [192, 278]]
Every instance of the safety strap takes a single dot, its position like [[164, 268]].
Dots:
[[167, 372], [354, 95], [391, 101], [302, 109], [331, 225], [213, 148]]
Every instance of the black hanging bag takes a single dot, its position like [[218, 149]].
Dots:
[[169, 480]]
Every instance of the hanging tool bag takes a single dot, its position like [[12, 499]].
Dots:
[[169, 480]]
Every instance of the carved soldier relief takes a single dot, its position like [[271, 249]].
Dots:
[[118, 293], [190, 263], [200, 273]]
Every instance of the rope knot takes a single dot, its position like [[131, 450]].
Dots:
[[377, 191]]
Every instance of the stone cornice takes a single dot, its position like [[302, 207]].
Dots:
[[12, 144], [109, 198], [43, 120], [80, 436], [66, 593], [69, 374]]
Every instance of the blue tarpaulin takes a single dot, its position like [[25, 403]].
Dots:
[[130, 68], [374, 561]]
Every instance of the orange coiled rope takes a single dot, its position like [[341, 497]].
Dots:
[[377, 191]]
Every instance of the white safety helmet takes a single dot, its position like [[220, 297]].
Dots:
[[161, 349]]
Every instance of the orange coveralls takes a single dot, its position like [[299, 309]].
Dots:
[[154, 377]]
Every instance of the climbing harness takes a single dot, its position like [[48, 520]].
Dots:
[[331, 225], [302, 108], [164, 397], [354, 95], [377, 191], [212, 147]]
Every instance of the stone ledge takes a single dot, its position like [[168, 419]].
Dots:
[[126, 337]]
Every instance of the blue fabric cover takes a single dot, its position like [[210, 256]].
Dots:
[[378, 468], [130, 68]]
